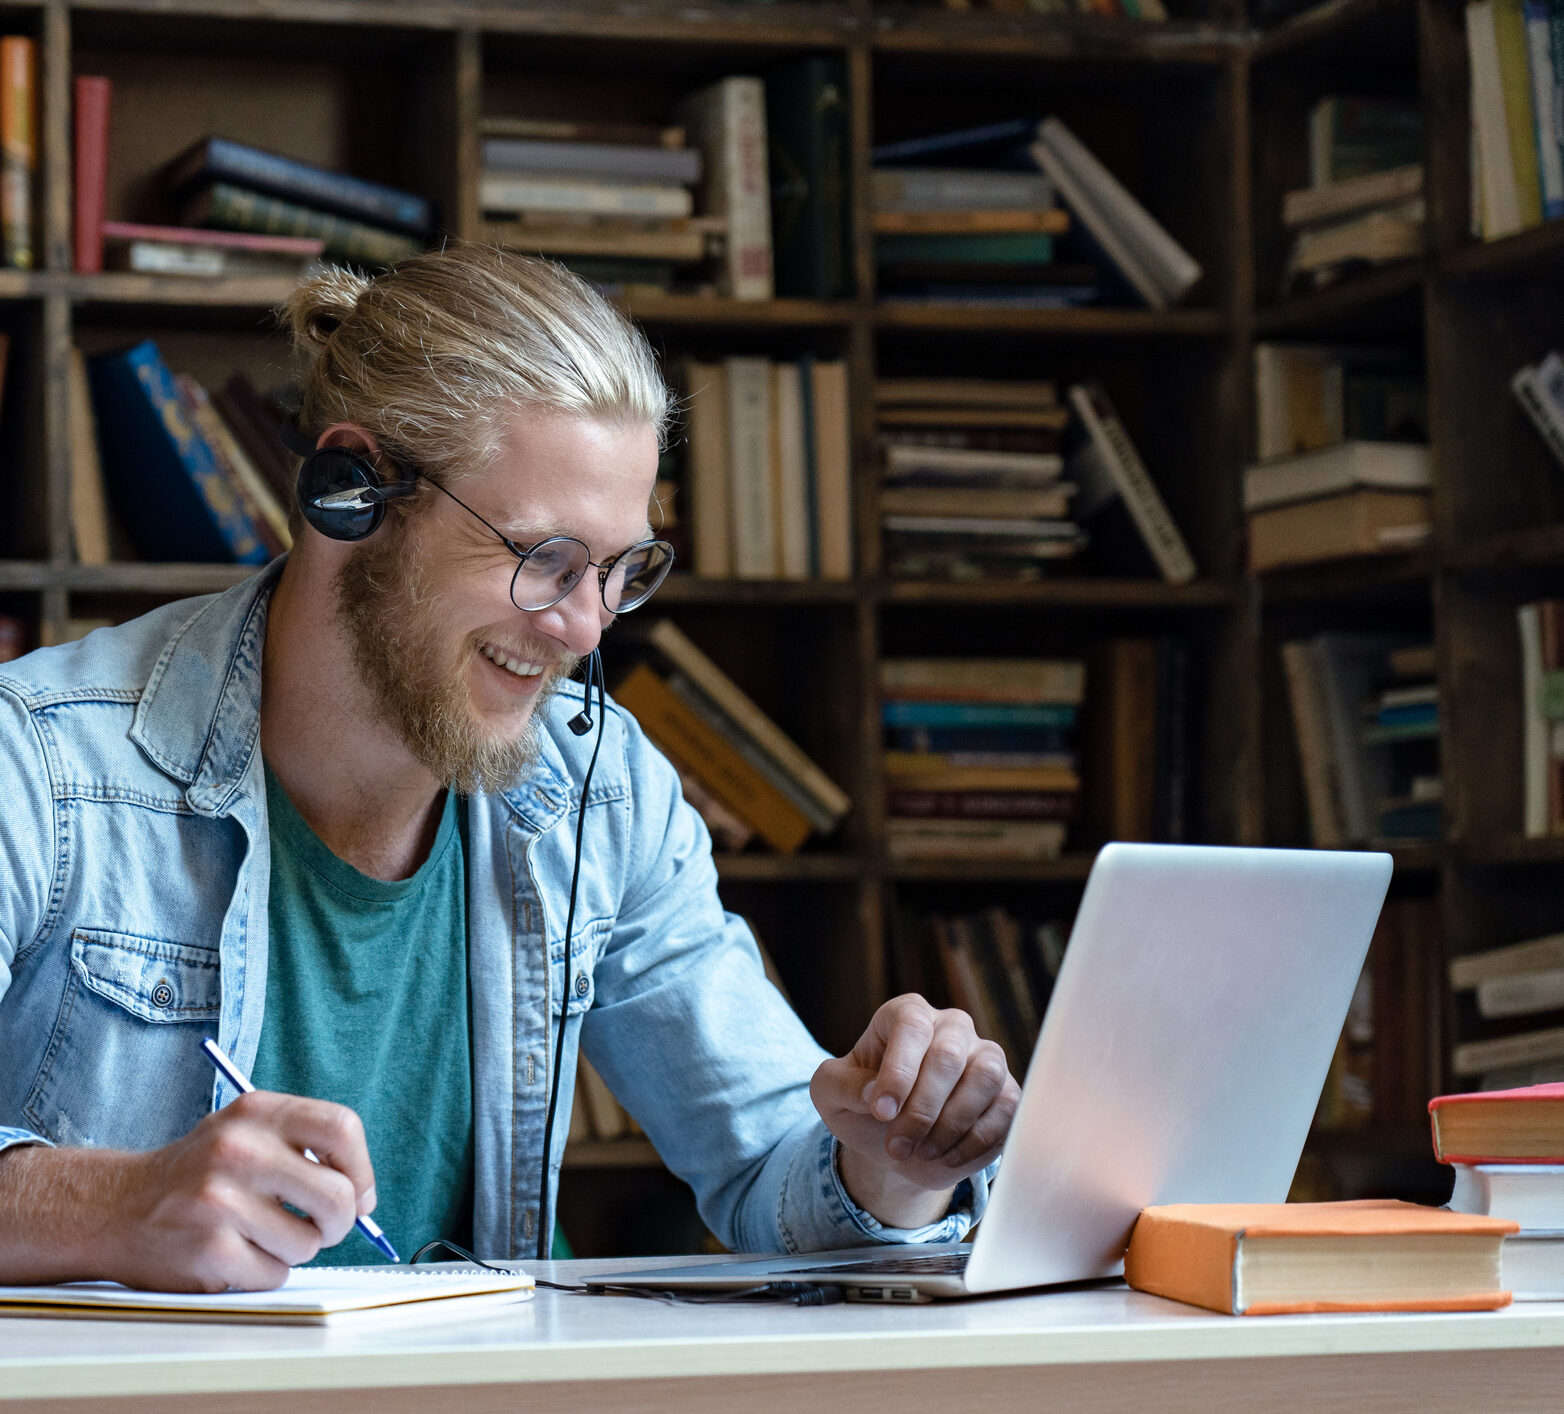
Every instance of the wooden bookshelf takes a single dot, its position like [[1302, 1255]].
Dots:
[[1202, 117]]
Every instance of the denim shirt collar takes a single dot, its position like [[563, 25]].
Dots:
[[199, 718]]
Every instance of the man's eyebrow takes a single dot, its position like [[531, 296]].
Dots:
[[524, 532]]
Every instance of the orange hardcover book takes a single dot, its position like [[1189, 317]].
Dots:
[[713, 760], [1523, 1126], [1272, 1259]]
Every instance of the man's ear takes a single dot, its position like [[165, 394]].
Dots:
[[350, 435]]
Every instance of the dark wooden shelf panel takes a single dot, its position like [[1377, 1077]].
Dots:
[[1513, 849], [1103, 323], [692, 589], [170, 291], [1068, 868], [1528, 253], [788, 868], [713, 312], [1358, 297], [1419, 858], [20, 284], [135, 578], [25, 574], [1321, 22], [1079, 592], [1345, 579], [612, 1154], [1536, 548]]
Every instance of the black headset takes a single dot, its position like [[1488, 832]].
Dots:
[[343, 495]]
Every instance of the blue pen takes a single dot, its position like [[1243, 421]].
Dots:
[[235, 1077]]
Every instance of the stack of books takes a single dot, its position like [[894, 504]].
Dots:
[[1515, 48], [614, 201], [1509, 985], [767, 478], [1364, 204], [954, 225], [997, 967], [981, 757], [972, 478], [1366, 714], [190, 475], [1344, 468], [1540, 388], [1541, 629], [222, 185], [763, 785], [1507, 1149]]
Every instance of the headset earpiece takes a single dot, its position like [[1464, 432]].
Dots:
[[340, 492]]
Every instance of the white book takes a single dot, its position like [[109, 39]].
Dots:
[[1529, 1194], [727, 121], [1535, 388], [1514, 960], [508, 193], [901, 458], [1122, 463], [1500, 194], [1531, 1265], [749, 467], [309, 1296], [1169, 264], [1525, 995], [1348, 466], [792, 473]]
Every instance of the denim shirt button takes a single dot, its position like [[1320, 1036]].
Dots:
[[582, 985], [162, 994]]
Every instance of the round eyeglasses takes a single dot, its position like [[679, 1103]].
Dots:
[[546, 572]]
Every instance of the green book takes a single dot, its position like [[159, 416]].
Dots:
[[1029, 248], [232, 208], [806, 133]]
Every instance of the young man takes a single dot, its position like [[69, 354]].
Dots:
[[330, 817]]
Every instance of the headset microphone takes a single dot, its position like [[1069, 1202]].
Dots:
[[581, 723]]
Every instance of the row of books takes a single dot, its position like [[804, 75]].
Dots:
[[981, 756], [747, 779], [1506, 985], [1365, 710], [768, 485], [1541, 628], [1516, 54], [1499, 1238], [1364, 204], [182, 473], [995, 965], [1344, 468], [972, 478], [955, 224]]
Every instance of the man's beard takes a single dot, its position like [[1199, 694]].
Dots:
[[399, 651]]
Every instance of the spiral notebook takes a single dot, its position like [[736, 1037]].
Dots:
[[311, 1296]]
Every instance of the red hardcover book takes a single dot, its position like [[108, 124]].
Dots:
[[1523, 1126], [305, 247], [92, 169]]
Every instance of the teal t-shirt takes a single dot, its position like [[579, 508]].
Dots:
[[366, 1005]]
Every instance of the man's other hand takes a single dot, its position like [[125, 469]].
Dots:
[[920, 1103], [205, 1213]]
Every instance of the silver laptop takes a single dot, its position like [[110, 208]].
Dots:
[[1180, 1061]]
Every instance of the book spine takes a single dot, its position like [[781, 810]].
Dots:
[[1519, 119], [225, 205], [247, 415], [982, 804], [833, 459], [615, 161], [985, 679], [1540, 410], [1134, 482], [808, 426], [89, 500], [501, 192], [1534, 729], [792, 503], [903, 713], [209, 427], [806, 129], [729, 121], [711, 536], [18, 149], [1520, 996], [1501, 202], [749, 463], [724, 772], [942, 189], [91, 159], [1544, 97], [223, 160]]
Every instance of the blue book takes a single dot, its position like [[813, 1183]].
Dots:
[[905, 713], [993, 139], [1026, 740], [221, 159], [1408, 714], [167, 485]]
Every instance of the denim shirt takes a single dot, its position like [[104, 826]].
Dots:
[[134, 862]]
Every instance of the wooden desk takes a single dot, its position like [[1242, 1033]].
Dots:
[[1102, 1349]]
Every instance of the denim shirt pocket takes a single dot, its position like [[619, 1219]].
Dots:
[[586, 946], [124, 1067]]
